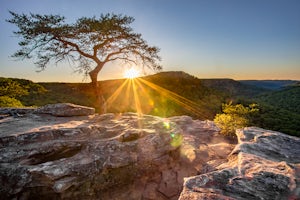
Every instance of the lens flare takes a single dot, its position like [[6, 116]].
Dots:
[[166, 124], [177, 139]]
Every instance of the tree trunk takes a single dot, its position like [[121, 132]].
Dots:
[[100, 104]]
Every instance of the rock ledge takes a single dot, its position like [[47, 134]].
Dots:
[[264, 165]]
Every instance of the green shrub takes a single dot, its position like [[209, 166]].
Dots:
[[234, 117], [6, 101]]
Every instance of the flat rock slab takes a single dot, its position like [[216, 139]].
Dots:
[[14, 126]]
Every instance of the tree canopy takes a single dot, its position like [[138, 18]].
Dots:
[[89, 43]]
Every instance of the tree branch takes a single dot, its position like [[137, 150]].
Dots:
[[101, 45], [76, 47], [122, 58]]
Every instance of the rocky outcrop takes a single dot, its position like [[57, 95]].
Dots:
[[264, 165], [130, 156], [109, 156]]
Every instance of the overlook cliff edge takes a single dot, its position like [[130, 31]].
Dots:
[[66, 151]]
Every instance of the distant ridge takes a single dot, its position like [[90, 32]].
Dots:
[[234, 88], [271, 84], [174, 74], [226, 86]]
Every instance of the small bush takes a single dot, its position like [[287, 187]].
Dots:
[[234, 117], [6, 101]]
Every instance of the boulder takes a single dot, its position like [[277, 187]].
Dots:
[[264, 165], [110, 156]]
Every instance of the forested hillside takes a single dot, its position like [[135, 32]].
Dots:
[[12, 90], [288, 99], [233, 88], [175, 93], [281, 110], [164, 94]]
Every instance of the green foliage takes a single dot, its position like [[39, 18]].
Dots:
[[14, 91], [288, 99], [6, 101], [77, 93], [280, 110], [11, 88], [278, 119], [31, 87], [234, 117]]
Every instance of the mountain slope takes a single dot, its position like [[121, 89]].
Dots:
[[234, 88], [280, 110], [163, 94]]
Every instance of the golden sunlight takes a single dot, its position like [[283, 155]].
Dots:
[[131, 73]]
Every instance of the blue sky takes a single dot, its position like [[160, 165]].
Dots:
[[239, 39]]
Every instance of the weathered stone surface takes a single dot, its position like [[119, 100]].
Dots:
[[107, 156], [16, 112], [264, 165], [65, 110], [128, 156]]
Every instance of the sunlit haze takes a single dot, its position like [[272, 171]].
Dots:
[[208, 39], [131, 73]]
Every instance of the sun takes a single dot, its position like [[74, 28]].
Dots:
[[131, 73]]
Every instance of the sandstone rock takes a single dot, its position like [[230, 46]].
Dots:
[[107, 156], [65, 110], [167, 185], [150, 191], [264, 165]]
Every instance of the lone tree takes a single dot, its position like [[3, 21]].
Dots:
[[89, 42]]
